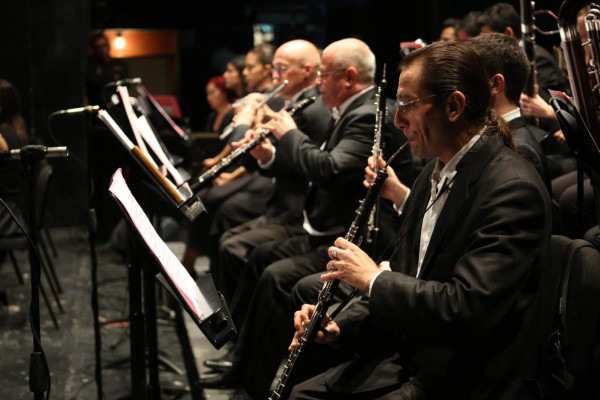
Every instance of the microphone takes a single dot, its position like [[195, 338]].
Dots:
[[77, 110], [34, 152], [126, 81]]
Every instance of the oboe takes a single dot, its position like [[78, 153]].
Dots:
[[325, 297], [239, 152], [380, 117]]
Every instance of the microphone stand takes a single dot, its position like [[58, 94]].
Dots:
[[38, 368]]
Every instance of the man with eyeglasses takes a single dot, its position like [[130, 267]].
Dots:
[[457, 313], [334, 168], [297, 62]]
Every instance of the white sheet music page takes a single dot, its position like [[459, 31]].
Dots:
[[148, 135], [169, 262]]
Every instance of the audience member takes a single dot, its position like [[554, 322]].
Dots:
[[13, 135], [101, 69]]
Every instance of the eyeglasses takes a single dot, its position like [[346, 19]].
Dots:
[[325, 75], [280, 68], [406, 106]]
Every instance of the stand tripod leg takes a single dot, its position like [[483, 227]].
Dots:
[[187, 353], [137, 340], [94, 300], [13, 260], [46, 232], [52, 288], [49, 264], [153, 389], [49, 307]]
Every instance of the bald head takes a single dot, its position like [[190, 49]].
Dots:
[[353, 52], [301, 52], [296, 61]]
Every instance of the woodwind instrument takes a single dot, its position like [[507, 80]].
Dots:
[[579, 75], [380, 118], [326, 295], [229, 128], [239, 152], [528, 41]]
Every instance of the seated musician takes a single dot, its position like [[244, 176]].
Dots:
[[457, 316]]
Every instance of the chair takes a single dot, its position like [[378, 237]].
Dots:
[[572, 366], [43, 173]]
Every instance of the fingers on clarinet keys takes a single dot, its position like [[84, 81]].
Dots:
[[332, 266]]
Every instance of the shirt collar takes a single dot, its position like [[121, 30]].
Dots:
[[448, 171], [337, 112], [514, 114]]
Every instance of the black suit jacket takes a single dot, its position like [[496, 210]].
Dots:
[[527, 144], [335, 171], [287, 202], [468, 327]]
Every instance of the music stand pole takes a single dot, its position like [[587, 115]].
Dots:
[[38, 374], [30, 156]]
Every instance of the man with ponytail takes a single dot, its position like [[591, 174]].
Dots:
[[455, 312]]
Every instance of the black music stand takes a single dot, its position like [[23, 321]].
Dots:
[[201, 301], [140, 327]]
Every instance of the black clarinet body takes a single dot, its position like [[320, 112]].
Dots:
[[207, 177], [326, 295], [528, 39]]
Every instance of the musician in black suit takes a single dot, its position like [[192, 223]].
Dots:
[[296, 61], [458, 315], [503, 18], [335, 171], [508, 68]]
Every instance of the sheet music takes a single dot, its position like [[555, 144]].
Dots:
[[149, 137], [162, 112], [126, 100], [116, 129], [169, 262]]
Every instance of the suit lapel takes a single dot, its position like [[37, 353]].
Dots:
[[468, 170], [338, 129]]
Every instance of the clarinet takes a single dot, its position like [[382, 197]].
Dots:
[[380, 118], [527, 26], [326, 295], [239, 152]]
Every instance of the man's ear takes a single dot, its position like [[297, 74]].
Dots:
[[509, 32], [497, 84], [455, 105]]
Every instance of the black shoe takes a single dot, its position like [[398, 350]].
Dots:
[[240, 394], [218, 381], [222, 364]]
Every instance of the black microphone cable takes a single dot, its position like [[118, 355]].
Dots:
[[36, 338]]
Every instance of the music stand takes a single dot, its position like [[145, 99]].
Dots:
[[191, 207], [205, 306]]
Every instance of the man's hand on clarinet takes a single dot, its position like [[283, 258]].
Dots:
[[329, 334], [392, 189], [350, 264]]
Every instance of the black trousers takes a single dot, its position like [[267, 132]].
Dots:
[[236, 245], [267, 329]]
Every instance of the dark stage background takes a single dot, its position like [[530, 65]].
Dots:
[[43, 46]]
